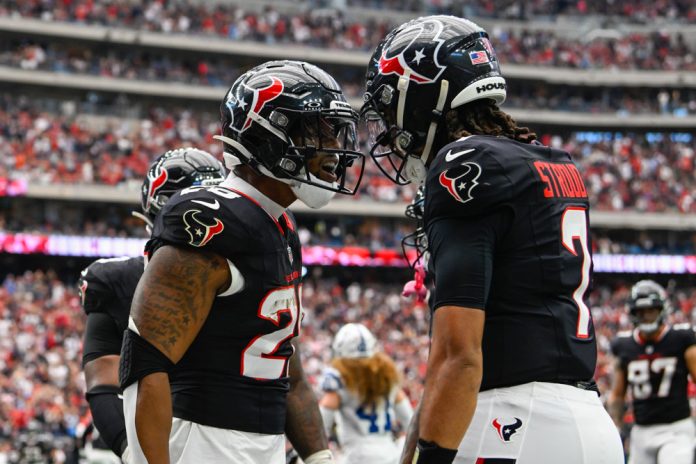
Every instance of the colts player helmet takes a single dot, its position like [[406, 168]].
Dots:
[[648, 294], [354, 341], [279, 115], [175, 170], [417, 240], [421, 70]]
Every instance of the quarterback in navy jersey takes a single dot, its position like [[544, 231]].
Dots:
[[107, 287], [217, 313], [507, 223], [653, 362]]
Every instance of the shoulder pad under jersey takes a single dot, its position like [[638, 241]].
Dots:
[[468, 178], [109, 282], [204, 217]]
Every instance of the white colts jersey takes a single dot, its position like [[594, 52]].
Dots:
[[364, 431]]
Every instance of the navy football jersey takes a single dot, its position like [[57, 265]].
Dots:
[[106, 290], [656, 373], [235, 373], [107, 286], [507, 226]]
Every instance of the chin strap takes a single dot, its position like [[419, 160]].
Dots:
[[414, 169], [437, 114], [402, 87], [232, 160]]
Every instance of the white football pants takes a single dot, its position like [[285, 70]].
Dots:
[[540, 423], [663, 443], [192, 443], [370, 450]]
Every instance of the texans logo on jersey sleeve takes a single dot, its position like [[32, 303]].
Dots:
[[420, 61], [461, 180], [157, 180], [200, 232]]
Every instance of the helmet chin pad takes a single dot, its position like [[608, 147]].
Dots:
[[312, 194]]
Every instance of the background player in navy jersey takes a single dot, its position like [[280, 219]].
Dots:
[[215, 313], [107, 288], [654, 362], [507, 229]]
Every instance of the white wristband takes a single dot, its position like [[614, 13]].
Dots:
[[320, 457]]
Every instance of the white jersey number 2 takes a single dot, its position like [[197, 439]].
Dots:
[[574, 227], [259, 358]]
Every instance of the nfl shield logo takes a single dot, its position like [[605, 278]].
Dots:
[[290, 254]]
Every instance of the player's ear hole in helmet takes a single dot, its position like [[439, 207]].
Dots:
[[290, 121], [422, 81], [175, 170]]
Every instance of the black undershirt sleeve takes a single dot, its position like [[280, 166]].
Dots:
[[102, 337], [462, 253]]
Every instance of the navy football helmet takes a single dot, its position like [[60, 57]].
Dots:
[[421, 70], [279, 115], [175, 170], [647, 294]]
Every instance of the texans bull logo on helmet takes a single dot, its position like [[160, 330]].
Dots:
[[461, 180], [506, 431], [261, 96], [157, 180], [421, 62], [200, 232]]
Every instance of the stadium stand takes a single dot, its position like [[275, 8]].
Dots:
[[93, 90]]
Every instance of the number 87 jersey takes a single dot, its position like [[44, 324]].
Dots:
[[507, 226], [656, 373]]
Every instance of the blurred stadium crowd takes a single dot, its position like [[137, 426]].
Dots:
[[41, 323], [232, 21], [111, 143], [329, 29], [531, 48], [638, 11], [623, 171]]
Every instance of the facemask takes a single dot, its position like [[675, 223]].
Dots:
[[414, 170]]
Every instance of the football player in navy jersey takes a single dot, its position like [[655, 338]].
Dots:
[[654, 361], [507, 231], [106, 288], [207, 360]]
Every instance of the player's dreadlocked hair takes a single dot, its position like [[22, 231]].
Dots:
[[370, 378], [483, 117]]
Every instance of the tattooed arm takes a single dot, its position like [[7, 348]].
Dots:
[[170, 305], [303, 424]]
